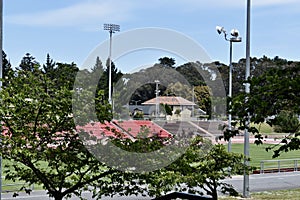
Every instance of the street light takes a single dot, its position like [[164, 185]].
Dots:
[[157, 100], [246, 188], [112, 28], [235, 38]]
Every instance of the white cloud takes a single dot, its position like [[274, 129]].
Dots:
[[87, 12]]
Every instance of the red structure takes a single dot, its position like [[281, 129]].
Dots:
[[124, 129]]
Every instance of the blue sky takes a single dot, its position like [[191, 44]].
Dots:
[[69, 30]]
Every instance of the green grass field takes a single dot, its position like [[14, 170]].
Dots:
[[264, 128], [11, 186], [258, 153]]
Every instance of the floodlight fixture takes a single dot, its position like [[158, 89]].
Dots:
[[220, 29], [235, 36], [112, 28], [234, 33]]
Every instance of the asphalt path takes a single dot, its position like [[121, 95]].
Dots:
[[257, 182], [268, 182]]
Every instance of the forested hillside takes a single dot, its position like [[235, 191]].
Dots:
[[193, 81]]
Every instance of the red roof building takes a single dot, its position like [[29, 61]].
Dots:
[[169, 100], [124, 129]]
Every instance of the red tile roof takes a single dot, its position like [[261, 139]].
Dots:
[[123, 129], [135, 128], [169, 100], [100, 130]]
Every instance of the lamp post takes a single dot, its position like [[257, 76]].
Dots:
[[112, 28], [246, 189], [235, 38], [157, 100]]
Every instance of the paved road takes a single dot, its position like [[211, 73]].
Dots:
[[41, 195], [258, 183], [268, 182]]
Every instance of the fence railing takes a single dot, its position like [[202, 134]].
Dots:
[[15, 187], [284, 165]]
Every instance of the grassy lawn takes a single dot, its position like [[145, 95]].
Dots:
[[273, 195], [8, 185], [264, 128], [11, 186], [258, 153]]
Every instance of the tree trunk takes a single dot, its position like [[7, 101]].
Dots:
[[215, 195], [58, 196], [214, 191]]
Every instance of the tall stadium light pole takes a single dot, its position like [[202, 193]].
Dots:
[[111, 28], [1, 69], [156, 99], [246, 189], [235, 38]]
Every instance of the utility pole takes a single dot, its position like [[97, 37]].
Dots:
[[246, 190]]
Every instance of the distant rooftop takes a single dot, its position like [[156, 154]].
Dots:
[[170, 100]]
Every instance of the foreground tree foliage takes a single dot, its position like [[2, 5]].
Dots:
[[42, 146], [274, 99], [200, 170]]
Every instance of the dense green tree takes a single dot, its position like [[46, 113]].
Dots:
[[192, 74], [146, 92], [202, 167], [8, 72], [97, 71], [258, 66], [49, 67], [286, 122], [28, 63], [203, 99], [65, 74], [103, 81], [167, 62], [43, 146], [142, 84]]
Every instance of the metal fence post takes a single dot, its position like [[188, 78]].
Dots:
[[261, 167]]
